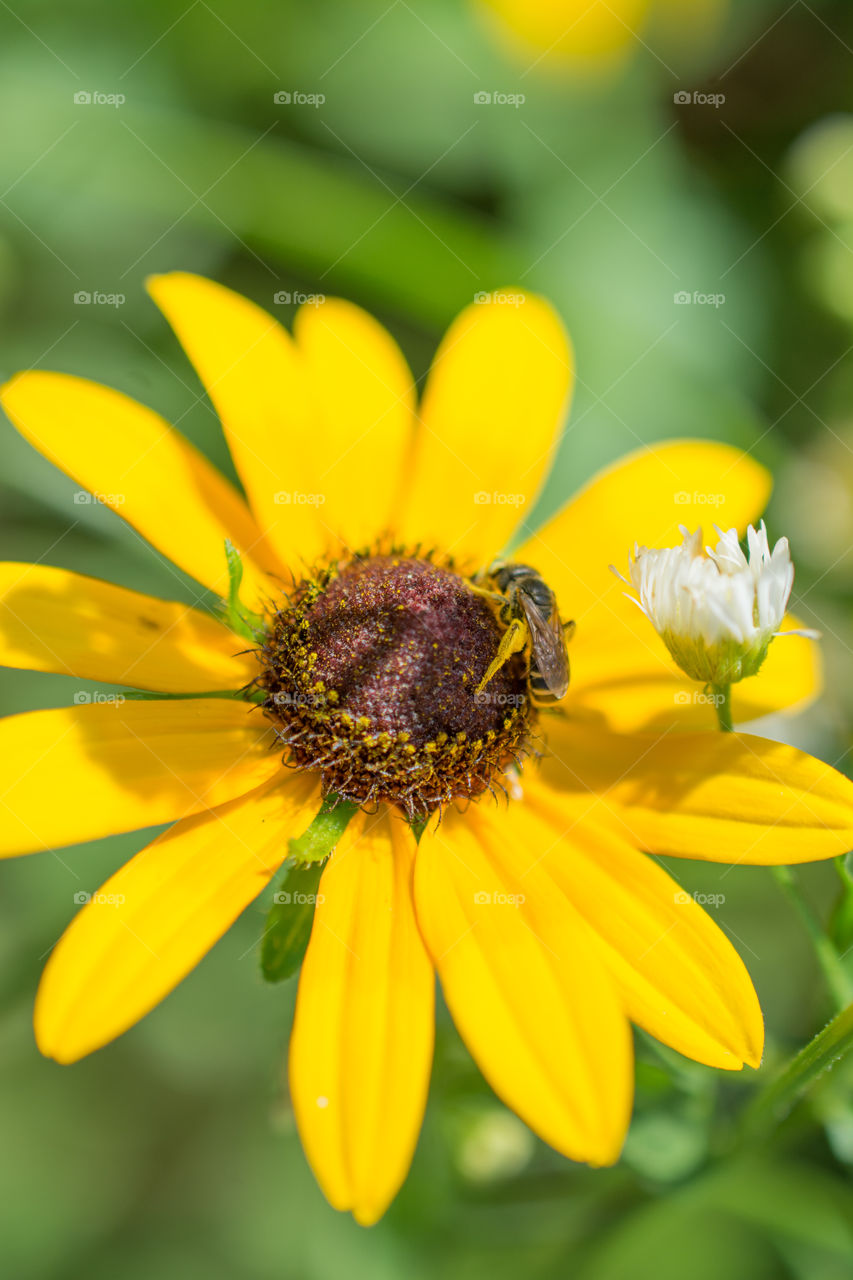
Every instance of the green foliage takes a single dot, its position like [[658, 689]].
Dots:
[[289, 921]]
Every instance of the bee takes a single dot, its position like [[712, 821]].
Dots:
[[527, 607]]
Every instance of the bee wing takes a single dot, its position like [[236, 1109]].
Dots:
[[549, 646]]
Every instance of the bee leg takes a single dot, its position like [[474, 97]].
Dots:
[[513, 641], [569, 629], [494, 596]]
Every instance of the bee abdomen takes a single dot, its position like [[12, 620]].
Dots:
[[539, 690]]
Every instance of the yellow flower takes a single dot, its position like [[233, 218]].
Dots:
[[592, 34], [547, 922]]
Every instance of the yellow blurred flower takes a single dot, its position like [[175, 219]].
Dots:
[[591, 35], [549, 926]]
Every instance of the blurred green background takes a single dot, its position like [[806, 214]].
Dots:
[[173, 1152]]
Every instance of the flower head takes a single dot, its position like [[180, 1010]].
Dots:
[[545, 919], [718, 610]]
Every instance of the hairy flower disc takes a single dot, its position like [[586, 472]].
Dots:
[[371, 671]]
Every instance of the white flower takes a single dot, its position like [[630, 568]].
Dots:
[[716, 611]]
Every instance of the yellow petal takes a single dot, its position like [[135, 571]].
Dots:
[[643, 498], [723, 797], [151, 923], [679, 976], [53, 620], [78, 773], [361, 1047], [256, 380], [131, 459], [365, 404], [526, 986], [627, 675], [494, 404]]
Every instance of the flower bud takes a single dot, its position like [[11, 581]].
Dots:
[[717, 611]]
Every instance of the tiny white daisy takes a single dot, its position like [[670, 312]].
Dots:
[[717, 611]]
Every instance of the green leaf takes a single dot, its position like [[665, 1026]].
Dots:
[[288, 925], [786, 1200], [827, 1048], [325, 831]]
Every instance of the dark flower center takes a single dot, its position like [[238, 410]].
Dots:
[[370, 672]]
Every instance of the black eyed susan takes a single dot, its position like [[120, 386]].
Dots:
[[368, 521]]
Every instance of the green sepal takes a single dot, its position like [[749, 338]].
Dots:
[[289, 922], [324, 832], [235, 615], [291, 915], [147, 695]]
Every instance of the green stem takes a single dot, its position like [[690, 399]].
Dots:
[[839, 984], [722, 694], [828, 958], [145, 695]]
